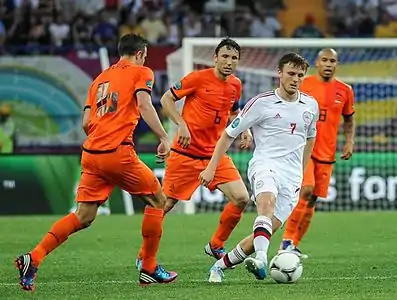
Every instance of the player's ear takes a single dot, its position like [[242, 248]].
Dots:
[[139, 53]]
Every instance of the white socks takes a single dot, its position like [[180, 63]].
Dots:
[[262, 233]]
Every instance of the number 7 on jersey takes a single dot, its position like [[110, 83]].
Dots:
[[293, 127]]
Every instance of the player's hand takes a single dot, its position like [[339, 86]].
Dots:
[[206, 177], [163, 151], [183, 136], [347, 151], [246, 140]]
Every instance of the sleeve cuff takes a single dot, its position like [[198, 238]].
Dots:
[[174, 94], [348, 115], [143, 90]]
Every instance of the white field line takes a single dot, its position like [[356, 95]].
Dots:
[[226, 280]]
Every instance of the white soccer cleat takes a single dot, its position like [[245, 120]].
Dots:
[[256, 267], [216, 275]]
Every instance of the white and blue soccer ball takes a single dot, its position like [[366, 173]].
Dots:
[[286, 267]]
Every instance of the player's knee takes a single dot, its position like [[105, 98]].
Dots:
[[265, 204], [86, 219], [241, 200], [236, 192], [306, 193], [312, 201], [161, 199], [86, 213], [157, 200], [169, 204]]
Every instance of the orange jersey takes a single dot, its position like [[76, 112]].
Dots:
[[335, 98], [208, 103], [114, 107]]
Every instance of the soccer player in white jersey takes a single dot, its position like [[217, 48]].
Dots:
[[283, 123]]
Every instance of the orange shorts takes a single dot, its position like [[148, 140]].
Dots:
[[102, 172], [318, 175], [182, 172]]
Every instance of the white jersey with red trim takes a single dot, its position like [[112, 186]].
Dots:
[[280, 129]]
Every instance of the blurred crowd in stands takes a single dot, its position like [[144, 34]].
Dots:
[[61, 25]]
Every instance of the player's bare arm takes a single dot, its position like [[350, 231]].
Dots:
[[86, 119], [311, 138], [221, 147], [87, 112], [150, 116], [349, 132], [168, 102], [307, 152]]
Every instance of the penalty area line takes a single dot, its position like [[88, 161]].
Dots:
[[117, 282]]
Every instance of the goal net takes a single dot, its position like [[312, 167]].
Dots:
[[369, 179]]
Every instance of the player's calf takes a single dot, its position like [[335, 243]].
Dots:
[[238, 197], [157, 204], [86, 213]]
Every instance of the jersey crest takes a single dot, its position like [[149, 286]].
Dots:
[[307, 117]]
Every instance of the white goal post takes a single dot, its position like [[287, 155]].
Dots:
[[369, 65]]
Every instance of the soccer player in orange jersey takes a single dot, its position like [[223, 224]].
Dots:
[[335, 99], [211, 97], [115, 101]]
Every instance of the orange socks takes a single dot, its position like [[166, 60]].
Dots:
[[58, 233], [141, 249], [304, 224], [230, 217], [291, 227], [299, 221], [152, 227]]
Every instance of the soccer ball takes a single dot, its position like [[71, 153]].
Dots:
[[286, 267]]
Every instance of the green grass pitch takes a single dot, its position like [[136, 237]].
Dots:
[[351, 256]]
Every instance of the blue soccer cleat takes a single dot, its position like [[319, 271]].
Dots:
[[216, 253], [216, 274], [256, 267], [288, 245], [138, 264], [160, 275], [27, 271]]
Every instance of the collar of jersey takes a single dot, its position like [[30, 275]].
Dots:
[[285, 101]]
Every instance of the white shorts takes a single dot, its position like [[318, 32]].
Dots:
[[264, 180]]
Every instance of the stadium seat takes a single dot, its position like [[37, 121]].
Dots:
[[295, 8]]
